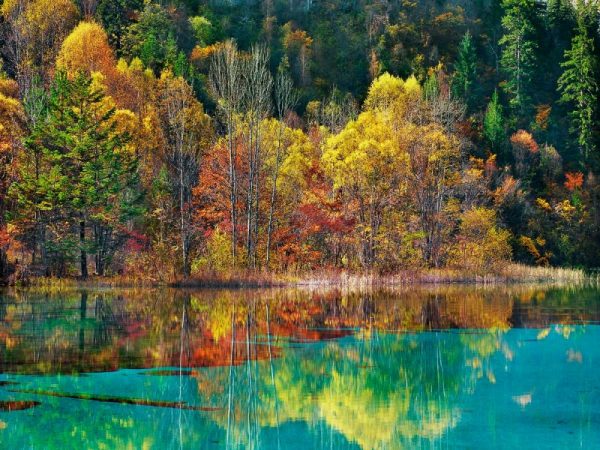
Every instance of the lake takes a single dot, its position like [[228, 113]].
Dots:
[[420, 367]]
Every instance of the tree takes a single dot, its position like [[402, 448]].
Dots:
[[285, 100], [256, 107], [12, 128], [465, 70], [187, 132], [493, 124], [115, 16], [149, 38], [368, 162], [518, 52], [481, 246], [78, 170], [86, 49], [36, 31], [578, 86], [226, 86], [434, 162], [203, 30]]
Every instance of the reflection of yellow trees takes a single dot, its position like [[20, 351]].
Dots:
[[143, 327], [392, 397], [378, 388], [352, 407]]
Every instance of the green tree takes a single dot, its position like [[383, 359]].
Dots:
[[578, 86], [152, 38], [203, 30], [465, 70], [115, 16], [84, 172], [518, 58], [493, 124]]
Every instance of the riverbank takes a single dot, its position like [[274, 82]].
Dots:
[[513, 273]]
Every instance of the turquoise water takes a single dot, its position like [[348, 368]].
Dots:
[[429, 368]]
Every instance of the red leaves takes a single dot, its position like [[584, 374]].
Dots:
[[574, 180]]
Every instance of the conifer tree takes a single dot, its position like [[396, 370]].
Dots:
[[579, 87], [83, 171], [518, 53], [493, 124], [465, 70]]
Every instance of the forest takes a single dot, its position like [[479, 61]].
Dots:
[[173, 140]]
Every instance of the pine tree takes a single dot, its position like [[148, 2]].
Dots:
[[518, 53], [84, 172], [560, 14], [493, 124], [579, 87], [465, 70]]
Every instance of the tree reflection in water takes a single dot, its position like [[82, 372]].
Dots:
[[253, 369]]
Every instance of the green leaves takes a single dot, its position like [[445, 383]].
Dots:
[[78, 166], [465, 70], [518, 59], [493, 124], [579, 87]]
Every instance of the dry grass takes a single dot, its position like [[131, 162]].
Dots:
[[512, 273]]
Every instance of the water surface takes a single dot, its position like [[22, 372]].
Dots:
[[430, 367]]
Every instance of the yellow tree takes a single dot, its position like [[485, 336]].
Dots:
[[36, 29], [481, 246], [87, 49], [12, 125], [388, 92], [434, 172], [368, 164]]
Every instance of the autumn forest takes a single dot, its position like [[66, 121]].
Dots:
[[173, 140]]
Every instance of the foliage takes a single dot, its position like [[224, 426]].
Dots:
[[493, 125], [579, 86], [465, 70], [151, 136], [86, 49], [518, 52], [77, 173]]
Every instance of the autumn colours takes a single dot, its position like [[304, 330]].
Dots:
[[110, 163]]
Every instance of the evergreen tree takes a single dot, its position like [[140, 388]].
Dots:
[[493, 124], [560, 15], [465, 70], [518, 53], [579, 87], [84, 172], [115, 16]]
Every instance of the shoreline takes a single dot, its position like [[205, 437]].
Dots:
[[513, 274]]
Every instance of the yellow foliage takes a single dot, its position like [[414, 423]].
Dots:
[[390, 92], [366, 154], [86, 49], [543, 204], [481, 245]]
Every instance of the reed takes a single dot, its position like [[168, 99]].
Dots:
[[512, 273]]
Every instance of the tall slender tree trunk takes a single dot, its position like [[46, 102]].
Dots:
[[274, 194], [182, 221], [233, 189], [83, 256]]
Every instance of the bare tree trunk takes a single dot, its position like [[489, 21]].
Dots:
[[233, 190], [227, 87], [285, 100], [83, 254]]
